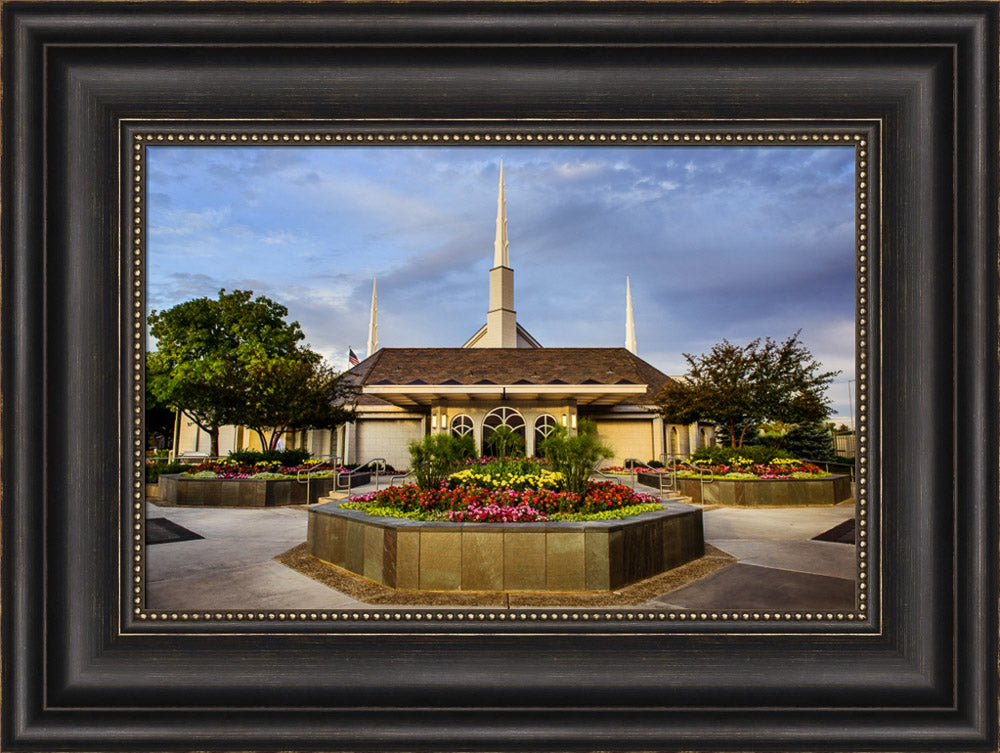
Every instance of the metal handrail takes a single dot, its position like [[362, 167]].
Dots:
[[380, 466], [398, 476], [350, 474], [701, 476], [595, 471], [308, 471], [631, 470], [311, 468]]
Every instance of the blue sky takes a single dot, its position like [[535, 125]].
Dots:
[[720, 242]]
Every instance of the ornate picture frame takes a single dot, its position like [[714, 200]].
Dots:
[[87, 666]]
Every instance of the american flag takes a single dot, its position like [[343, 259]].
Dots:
[[352, 357]]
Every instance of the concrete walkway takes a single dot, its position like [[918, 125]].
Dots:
[[232, 567], [779, 567]]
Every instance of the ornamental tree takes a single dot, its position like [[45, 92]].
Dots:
[[218, 361], [736, 386], [287, 393]]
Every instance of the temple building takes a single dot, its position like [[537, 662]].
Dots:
[[501, 376]]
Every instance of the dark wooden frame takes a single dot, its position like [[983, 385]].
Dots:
[[919, 673]]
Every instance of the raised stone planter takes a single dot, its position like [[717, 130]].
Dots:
[[762, 492], [241, 492], [438, 556]]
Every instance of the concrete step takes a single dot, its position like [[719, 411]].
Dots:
[[677, 498], [333, 496]]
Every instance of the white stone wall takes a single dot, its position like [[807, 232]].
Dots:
[[442, 415], [193, 439], [389, 439], [627, 438], [678, 442]]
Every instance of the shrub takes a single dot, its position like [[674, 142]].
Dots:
[[726, 455], [436, 457], [575, 457], [155, 470], [654, 464], [504, 442], [286, 458], [809, 441], [466, 447]]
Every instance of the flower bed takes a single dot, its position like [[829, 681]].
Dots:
[[738, 468], [181, 489], [782, 482], [597, 555], [503, 492], [266, 469], [505, 525], [753, 491]]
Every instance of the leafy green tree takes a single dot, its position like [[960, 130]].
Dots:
[[293, 393], [159, 422], [214, 358], [575, 457], [738, 387]]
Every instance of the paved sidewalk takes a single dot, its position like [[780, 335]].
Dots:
[[779, 567], [232, 567]]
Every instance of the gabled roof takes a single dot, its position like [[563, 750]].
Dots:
[[412, 376], [522, 334]]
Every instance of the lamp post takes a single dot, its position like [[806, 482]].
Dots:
[[850, 401]]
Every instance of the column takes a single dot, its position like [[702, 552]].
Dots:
[[658, 446]]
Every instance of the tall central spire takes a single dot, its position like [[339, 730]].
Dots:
[[629, 322], [501, 319], [501, 329], [501, 246]]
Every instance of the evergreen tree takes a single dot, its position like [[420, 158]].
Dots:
[[809, 442]]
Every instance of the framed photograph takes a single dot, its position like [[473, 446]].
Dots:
[[833, 164]]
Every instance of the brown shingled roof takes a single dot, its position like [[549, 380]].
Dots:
[[541, 366]]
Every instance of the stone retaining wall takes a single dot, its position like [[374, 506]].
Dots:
[[762, 492], [241, 492], [439, 556]]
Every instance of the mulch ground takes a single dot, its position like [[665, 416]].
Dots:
[[362, 589]]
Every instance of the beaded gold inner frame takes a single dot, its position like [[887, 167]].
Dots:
[[137, 136]]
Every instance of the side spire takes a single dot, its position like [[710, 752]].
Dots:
[[373, 321], [501, 246], [629, 321]]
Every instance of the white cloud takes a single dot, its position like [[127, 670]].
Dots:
[[582, 169], [188, 222]]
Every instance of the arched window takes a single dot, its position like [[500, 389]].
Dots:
[[704, 438], [503, 417], [544, 426], [675, 442], [461, 426]]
